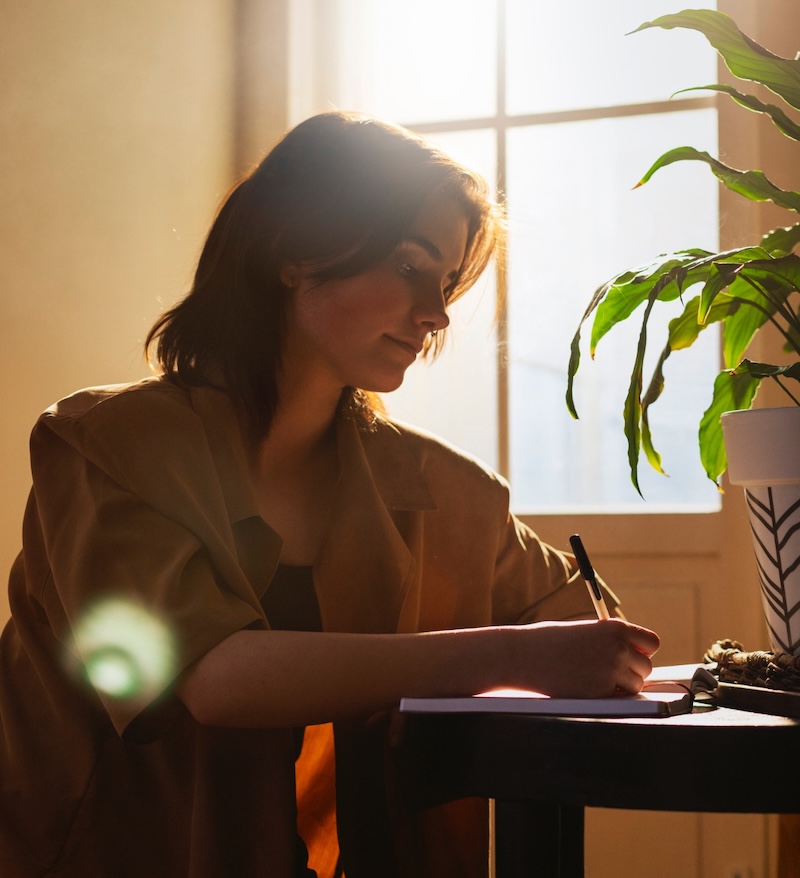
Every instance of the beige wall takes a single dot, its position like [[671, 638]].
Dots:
[[119, 136]]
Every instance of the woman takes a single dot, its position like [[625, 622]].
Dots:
[[244, 546]]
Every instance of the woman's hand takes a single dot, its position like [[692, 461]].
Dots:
[[581, 659]]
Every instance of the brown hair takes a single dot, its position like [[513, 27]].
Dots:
[[336, 195]]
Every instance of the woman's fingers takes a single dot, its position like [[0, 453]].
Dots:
[[639, 645], [643, 639], [587, 659], [646, 644]]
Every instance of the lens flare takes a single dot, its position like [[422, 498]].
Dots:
[[125, 650]]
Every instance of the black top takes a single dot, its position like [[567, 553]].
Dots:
[[290, 601]]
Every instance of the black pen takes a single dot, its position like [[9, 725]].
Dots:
[[587, 572]]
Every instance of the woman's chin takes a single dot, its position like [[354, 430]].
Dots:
[[384, 383]]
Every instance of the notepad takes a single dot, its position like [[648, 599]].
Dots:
[[657, 700]]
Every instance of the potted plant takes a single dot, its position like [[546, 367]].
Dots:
[[742, 290]]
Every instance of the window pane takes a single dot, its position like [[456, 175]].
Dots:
[[575, 222], [456, 396], [571, 204], [574, 54], [417, 61]]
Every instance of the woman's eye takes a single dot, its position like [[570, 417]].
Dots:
[[406, 269]]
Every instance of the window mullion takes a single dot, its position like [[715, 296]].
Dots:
[[503, 448]]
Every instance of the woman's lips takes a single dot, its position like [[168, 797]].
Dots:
[[411, 348]]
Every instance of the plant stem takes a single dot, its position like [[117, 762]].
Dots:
[[770, 316], [785, 389], [778, 302]]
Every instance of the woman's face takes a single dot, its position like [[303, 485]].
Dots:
[[365, 331]]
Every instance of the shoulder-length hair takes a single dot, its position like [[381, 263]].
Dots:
[[336, 195]]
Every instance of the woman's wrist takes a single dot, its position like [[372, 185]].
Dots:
[[495, 657]]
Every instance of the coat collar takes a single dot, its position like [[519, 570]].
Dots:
[[365, 571], [395, 470], [226, 442]]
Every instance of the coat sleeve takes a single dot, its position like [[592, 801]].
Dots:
[[131, 595], [483, 565], [535, 582]]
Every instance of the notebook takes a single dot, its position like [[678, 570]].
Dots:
[[662, 696]]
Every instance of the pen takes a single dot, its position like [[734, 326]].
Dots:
[[587, 572]]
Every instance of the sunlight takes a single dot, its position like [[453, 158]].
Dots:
[[425, 60]]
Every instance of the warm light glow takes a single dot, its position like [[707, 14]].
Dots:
[[126, 652], [411, 63]]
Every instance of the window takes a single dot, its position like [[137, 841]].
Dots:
[[564, 112]]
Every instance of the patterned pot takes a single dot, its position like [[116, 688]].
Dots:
[[763, 448]]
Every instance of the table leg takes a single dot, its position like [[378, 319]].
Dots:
[[538, 840]]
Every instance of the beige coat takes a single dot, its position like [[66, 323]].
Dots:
[[141, 493]]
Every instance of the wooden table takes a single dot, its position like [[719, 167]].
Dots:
[[543, 772]]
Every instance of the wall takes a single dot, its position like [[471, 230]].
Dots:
[[116, 145]]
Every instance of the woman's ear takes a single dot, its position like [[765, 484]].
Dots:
[[290, 275]]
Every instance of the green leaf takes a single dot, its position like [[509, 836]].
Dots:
[[745, 58], [683, 332], [636, 424], [773, 283], [779, 242], [666, 279], [792, 371], [740, 256], [631, 415], [783, 272], [654, 390], [632, 409], [724, 269], [760, 292], [742, 322], [625, 292], [750, 102], [777, 373], [731, 393], [766, 370], [684, 329], [751, 184], [720, 276], [572, 368], [653, 457]]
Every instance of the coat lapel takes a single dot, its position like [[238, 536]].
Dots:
[[257, 545], [365, 577], [366, 572]]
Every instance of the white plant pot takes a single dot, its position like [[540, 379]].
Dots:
[[763, 448]]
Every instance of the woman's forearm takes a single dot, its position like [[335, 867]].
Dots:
[[286, 678], [258, 678]]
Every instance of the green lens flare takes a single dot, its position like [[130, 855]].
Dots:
[[113, 671], [125, 650]]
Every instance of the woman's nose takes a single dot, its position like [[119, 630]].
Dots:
[[430, 310]]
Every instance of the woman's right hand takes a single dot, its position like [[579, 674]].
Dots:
[[590, 659]]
